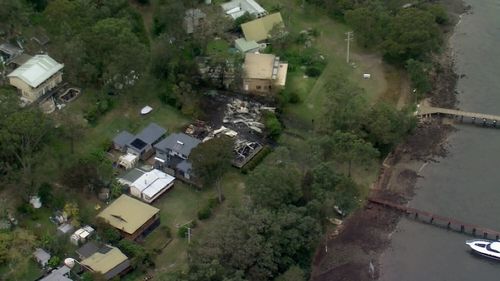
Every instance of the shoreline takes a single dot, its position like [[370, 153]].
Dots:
[[366, 234]]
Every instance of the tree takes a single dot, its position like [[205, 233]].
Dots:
[[22, 135], [345, 147], [419, 75], [412, 34], [115, 51], [294, 273], [369, 23], [344, 107], [211, 160], [273, 241], [275, 185], [89, 172], [386, 126]]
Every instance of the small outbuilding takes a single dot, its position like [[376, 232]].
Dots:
[[237, 8], [245, 46], [262, 73], [59, 274], [41, 257], [121, 141]]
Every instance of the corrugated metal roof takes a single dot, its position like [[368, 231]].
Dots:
[[258, 30], [128, 214], [104, 261], [37, 70], [179, 142], [244, 45], [259, 66]]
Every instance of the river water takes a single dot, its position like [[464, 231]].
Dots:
[[466, 184]]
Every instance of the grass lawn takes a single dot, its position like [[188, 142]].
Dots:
[[180, 206]]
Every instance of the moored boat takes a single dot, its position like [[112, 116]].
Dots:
[[487, 248]]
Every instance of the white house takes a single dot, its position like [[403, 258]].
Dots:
[[237, 8], [147, 185]]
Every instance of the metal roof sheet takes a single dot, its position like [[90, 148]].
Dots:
[[37, 70]]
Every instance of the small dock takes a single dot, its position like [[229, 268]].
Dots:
[[428, 111], [440, 221]]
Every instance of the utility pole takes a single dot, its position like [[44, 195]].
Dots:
[[189, 235], [349, 38]]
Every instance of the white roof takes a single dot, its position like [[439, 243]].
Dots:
[[153, 182], [36, 70]]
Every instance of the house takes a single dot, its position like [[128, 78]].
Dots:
[[141, 144], [245, 46], [262, 73], [193, 19], [36, 77], [41, 257], [133, 218], [9, 51], [87, 250], [259, 30], [147, 185], [107, 260], [173, 153], [121, 141], [58, 274], [237, 8]]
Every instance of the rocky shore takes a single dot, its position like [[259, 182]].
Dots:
[[353, 254]]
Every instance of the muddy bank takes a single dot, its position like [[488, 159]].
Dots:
[[353, 254]]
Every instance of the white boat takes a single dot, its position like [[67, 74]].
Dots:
[[487, 248], [145, 110]]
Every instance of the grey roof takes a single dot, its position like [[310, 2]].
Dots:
[[123, 138], [184, 166], [87, 250], [132, 175], [41, 256], [118, 269], [59, 274], [152, 133], [178, 142], [10, 49]]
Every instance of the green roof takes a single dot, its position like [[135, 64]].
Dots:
[[258, 30], [244, 45]]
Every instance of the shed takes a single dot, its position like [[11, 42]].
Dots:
[[59, 274], [245, 46], [41, 256], [65, 229], [152, 133]]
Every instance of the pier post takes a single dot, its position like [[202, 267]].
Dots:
[[461, 118], [484, 122], [494, 123], [432, 219], [485, 235], [416, 215], [448, 226], [473, 120], [462, 228], [474, 232], [497, 237]]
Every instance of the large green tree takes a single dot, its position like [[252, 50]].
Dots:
[[369, 22], [345, 147], [211, 160], [412, 33]]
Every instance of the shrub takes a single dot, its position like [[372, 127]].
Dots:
[[183, 230], [54, 261], [273, 125], [313, 71], [205, 213]]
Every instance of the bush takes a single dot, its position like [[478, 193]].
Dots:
[[273, 125], [205, 213], [45, 193], [313, 71], [54, 261], [183, 230]]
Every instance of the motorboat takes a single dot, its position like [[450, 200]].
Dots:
[[487, 248], [145, 110]]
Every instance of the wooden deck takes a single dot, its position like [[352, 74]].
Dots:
[[444, 222], [424, 111]]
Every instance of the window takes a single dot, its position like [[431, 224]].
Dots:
[[258, 87]]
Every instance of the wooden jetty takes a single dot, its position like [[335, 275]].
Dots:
[[448, 223], [428, 111]]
